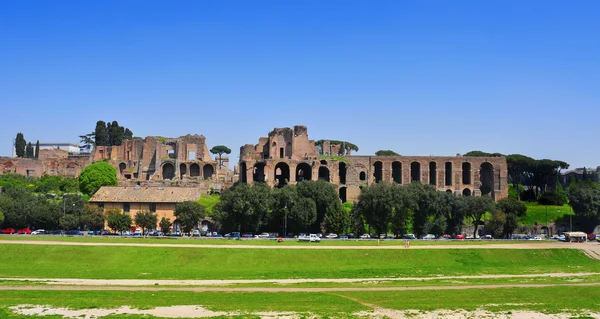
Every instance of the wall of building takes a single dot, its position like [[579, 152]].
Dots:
[[162, 209]]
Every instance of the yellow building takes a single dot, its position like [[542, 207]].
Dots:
[[161, 200]]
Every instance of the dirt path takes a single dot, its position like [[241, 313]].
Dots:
[[253, 289], [150, 282]]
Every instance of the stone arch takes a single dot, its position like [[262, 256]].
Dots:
[[208, 171], [168, 171], [466, 192], [324, 173], [259, 172], [433, 173], [342, 172], [449, 191], [182, 170], [343, 192], [242, 172], [466, 173], [415, 172], [303, 172], [378, 171], [282, 174], [486, 177], [195, 170], [122, 167], [323, 162], [448, 172], [362, 176], [397, 172]]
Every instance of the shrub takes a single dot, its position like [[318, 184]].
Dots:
[[551, 198]]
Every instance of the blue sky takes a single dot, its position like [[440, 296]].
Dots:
[[420, 77]]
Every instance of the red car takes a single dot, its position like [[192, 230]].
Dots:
[[459, 236], [24, 231], [8, 231]]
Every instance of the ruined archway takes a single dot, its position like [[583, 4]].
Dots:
[[466, 192], [415, 172], [486, 177], [343, 194], [397, 172], [182, 170], [242, 173], [122, 167], [342, 173], [378, 171], [303, 172], [324, 173], [448, 171], [168, 171], [282, 174], [208, 171], [259, 173], [195, 170], [432, 173], [466, 173]]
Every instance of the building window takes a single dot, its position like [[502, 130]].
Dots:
[[101, 206], [153, 207], [126, 207]]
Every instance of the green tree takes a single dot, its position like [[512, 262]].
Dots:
[[46, 215], [128, 134], [117, 133], [146, 220], [357, 223], [68, 222], [37, 149], [477, 207], [1, 217], [118, 221], [325, 197], [455, 217], [87, 141], [101, 134], [496, 224], [189, 214], [220, 150], [18, 206], [244, 208], [20, 145], [518, 167], [96, 175], [165, 225], [376, 205], [512, 209], [336, 221], [304, 212], [386, 153], [29, 150], [403, 208], [584, 197], [92, 218]]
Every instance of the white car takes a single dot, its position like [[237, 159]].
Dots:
[[429, 236], [536, 238], [365, 236], [310, 238], [331, 236], [38, 232]]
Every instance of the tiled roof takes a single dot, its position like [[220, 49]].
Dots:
[[139, 194]]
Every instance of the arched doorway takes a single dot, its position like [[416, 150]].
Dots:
[[415, 172], [466, 173], [195, 170], [242, 173], [168, 171], [208, 171], [343, 194], [466, 192], [282, 174], [432, 173], [397, 172], [303, 172], [259, 173], [486, 177], [378, 171], [324, 173], [122, 167], [448, 171], [342, 173], [182, 170]]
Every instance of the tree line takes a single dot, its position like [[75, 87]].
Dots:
[[106, 134], [24, 149]]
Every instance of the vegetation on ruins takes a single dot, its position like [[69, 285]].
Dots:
[[20, 145], [345, 146], [189, 214], [96, 175], [220, 150], [386, 153]]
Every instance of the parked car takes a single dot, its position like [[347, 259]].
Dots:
[[409, 236], [8, 231], [196, 233], [487, 237], [428, 236], [313, 238], [459, 237], [24, 231], [38, 232], [535, 238], [263, 235], [591, 236], [365, 236], [331, 236], [73, 232]]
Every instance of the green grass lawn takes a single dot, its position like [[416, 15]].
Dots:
[[105, 262], [261, 242], [537, 213]]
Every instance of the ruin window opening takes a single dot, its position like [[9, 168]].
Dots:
[[122, 167], [171, 153], [378, 171], [466, 173], [281, 152], [182, 171], [191, 156], [397, 172], [342, 173], [303, 172], [168, 171], [324, 173], [432, 173], [415, 172], [486, 177], [208, 171], [466, 192], [343, 194], [127, 176], [259, 173], [448, 172], [282, 174], [363, 176], [242, 173], [323, 162], [195, 170]]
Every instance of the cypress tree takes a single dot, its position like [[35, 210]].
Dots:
[[128, 134], [100, 134], [29, 150], [37, 149], [116, 133], [20, 145]]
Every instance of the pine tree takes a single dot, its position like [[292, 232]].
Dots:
[[100, 134], [20, 145], [116, 133], [37, 149], [29, 150]]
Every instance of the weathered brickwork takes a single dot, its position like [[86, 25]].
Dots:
[[51, 162], [287, 156]]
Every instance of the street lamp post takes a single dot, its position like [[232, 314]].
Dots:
[[285, 223], [547, 233]]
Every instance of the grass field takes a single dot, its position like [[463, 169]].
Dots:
[[537, 213], [110, 262]]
